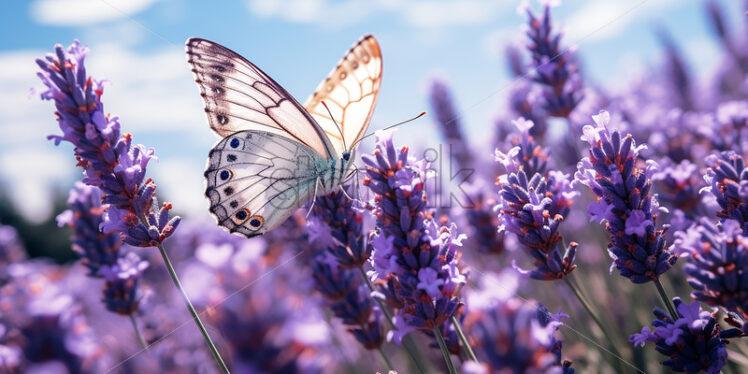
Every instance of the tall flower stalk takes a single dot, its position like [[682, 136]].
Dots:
[[415, 257], [336, 229], [532, 205], [614, 173], [100, 253], [110, 162]]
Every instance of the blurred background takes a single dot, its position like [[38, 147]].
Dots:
[[629, 52], [139, 47]]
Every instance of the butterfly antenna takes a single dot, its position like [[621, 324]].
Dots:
[[340, 129], [389, 127]]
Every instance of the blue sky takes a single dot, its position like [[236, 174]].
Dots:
[[138, 45]]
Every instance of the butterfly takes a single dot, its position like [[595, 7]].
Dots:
[[276, 154]]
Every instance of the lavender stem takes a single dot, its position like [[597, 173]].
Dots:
[[613, 350], [407, 343], [137, 332], [665, 299], [463, 339], [386, 360], [445, 351], [216, 356]]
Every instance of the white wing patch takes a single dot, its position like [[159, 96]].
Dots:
[[257, 179], [350, 91], [239, 96]]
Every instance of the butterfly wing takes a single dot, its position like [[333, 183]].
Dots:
[[239, 96], [350, 91], [256, 179]]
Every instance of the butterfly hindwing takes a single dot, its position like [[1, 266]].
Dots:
[[239, 96], [257, 179], [350, 91]]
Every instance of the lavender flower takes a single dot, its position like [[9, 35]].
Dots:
[[517, 336], [677, 71], [555, 70], [449, 124], [11, 250], [717, 263], [410, 249], [84, 217], [121, 294], [729, 127], [481, 220], [349, 300], [45, 323], [110, 161], [727, 178], [624, 203], [533, 210], [678, 185], [693, 342], [533, 207], [526, 154], [336, 227]]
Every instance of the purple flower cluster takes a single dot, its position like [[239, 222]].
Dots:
[[693, 342], [449, 124], [624, 202], [533, 205], [717, 265], [556, 70], [727, 179], [100, 252], [257, 299], [110, 161], [42, 328], [85, 216], [336, 229], [413, 255], [678, 186], [526, 154], [512, 335], [11, 250], [481, 220]]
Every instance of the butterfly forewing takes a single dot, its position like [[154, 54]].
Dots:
[[257, 179], [350, 91], [239, 96]]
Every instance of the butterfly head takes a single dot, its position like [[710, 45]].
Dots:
[[346, 155]]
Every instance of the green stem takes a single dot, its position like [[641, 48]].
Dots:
[[216, 356], [445, 351], [611, 344], [408, 344], [665, 299], [463, 339], [137, 332], [386, 360]]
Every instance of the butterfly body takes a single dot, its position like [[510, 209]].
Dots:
[[275, 155]]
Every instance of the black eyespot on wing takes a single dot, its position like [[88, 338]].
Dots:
[[228, 190], [234, 204], [231, 158], [222, 119]]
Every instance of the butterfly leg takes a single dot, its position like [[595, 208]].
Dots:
[[314, 198], [357, 186]]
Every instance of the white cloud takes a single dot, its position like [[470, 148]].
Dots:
[[419, 14], [598, 20], [29, 173], [181, 183], [85, 12]]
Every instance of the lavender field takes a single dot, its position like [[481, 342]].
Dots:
[[592, 230]]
